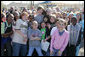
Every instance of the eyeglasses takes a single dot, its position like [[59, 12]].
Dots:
[[61, 24]]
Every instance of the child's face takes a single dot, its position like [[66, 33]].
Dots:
[[60, 25], [45, 19], [40, 11], [67, 19], [48, 25], [24, 17], [16, 16], [4, 19], [73, 21], [35, 25], [10, 19], [52, 20], [43, 25]]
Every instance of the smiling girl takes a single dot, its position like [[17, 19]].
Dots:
[[59, 39]]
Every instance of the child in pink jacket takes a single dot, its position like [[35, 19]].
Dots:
[[59, 39]]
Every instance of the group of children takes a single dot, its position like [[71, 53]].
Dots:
[[22, 33]]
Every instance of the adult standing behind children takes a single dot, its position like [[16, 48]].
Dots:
[[20, 36]]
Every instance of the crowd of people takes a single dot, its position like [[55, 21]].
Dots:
[[23, 31]]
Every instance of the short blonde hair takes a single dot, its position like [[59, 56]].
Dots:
[[34, 22], [62, 20]]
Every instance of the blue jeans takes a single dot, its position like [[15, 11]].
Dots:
[[55, 52], [77, 50], [6, 44], [19, 49], [31, 49], [48, 52], [8, 48], [4, 41]]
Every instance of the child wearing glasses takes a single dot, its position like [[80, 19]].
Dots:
[[60, 38]]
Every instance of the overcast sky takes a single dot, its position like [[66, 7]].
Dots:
[[69, 2]]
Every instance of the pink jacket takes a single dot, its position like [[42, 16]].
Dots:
[[59, 42]]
